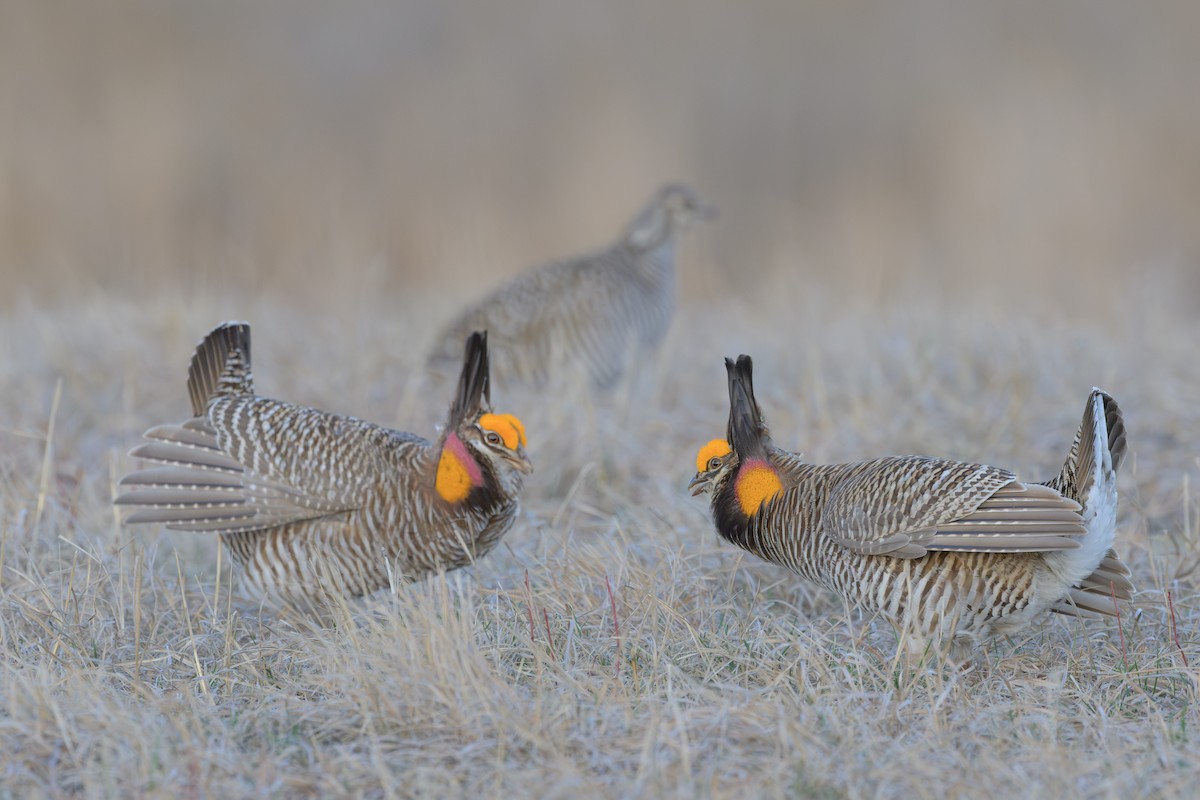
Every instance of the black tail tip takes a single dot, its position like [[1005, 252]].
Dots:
[[1114, 421], [232, 334], [226, 347]]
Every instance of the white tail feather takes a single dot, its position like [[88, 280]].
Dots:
[[1096, 476]]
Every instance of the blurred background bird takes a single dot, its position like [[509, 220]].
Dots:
[[312, 504], [949, 552], [591, 314]]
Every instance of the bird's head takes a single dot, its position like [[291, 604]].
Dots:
[[674, 208], [712, 461], [684, 206], [482, 452]]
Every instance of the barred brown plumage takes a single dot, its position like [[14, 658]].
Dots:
[[313, 504], [950, 552], [591, 312]]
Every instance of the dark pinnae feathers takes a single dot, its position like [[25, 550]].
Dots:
[[731, 375], [474, 390], [220, 366], [746, 431], [745, 367]]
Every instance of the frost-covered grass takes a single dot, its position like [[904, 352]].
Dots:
[[612, 645]]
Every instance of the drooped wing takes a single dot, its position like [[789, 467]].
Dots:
[[909, 505], [256, 463]]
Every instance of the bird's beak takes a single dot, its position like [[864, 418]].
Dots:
[[698, 484], [521, 461], [706, 212]]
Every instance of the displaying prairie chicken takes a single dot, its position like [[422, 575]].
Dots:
[[593, 311], [949, 552], [312, 504]]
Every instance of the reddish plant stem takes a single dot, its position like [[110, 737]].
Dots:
[[1175, 631], [616, 625]]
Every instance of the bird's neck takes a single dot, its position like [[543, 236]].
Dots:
[[458, 473], [795, 516], [650, 230], [655, 266]]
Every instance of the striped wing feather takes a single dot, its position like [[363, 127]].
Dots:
[[908, 506], [255, 464]]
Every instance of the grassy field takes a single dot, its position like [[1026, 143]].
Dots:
[[941, 224], [612, 646]]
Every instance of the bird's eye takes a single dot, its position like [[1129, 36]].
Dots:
[[491, 437], [714, 462]]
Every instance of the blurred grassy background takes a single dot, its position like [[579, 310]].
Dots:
[[308, 151]]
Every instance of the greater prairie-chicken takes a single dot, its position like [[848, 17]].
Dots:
[[949, 552], [593, 311], [313, 504]]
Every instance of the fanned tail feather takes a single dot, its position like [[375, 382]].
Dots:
[[1111, 577], [220, 366], [1095, 594], [1086, 605], [1084, 465], [1089, 477]]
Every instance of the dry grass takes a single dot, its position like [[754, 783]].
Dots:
[[130, 665]]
